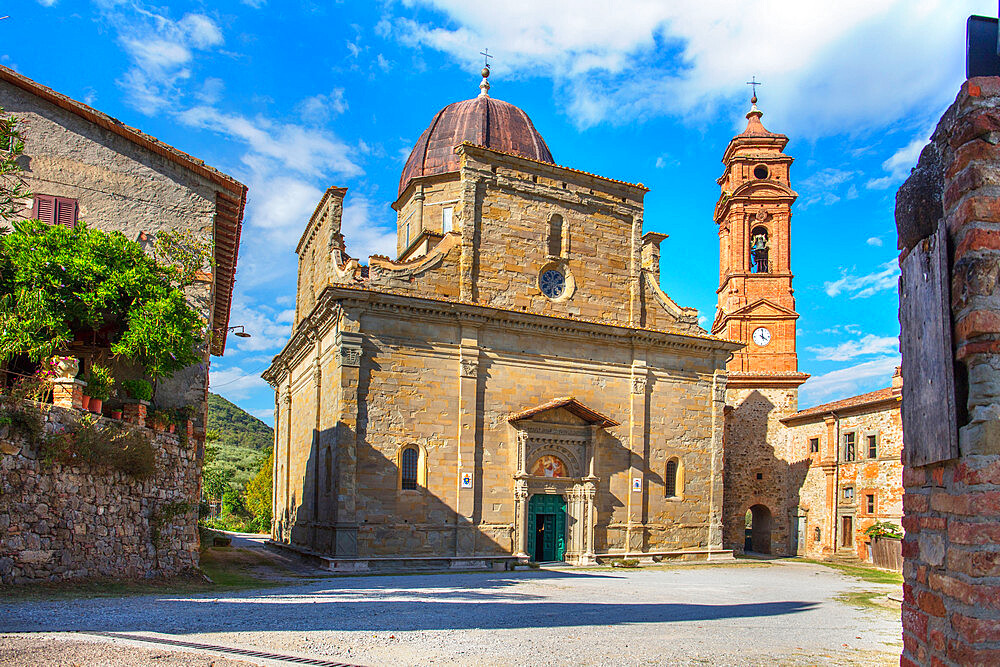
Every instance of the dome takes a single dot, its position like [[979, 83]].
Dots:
[[483, 121]]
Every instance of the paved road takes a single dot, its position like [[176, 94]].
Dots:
[[736, 614]]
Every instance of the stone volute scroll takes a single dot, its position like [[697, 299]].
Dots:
[[349, 349]]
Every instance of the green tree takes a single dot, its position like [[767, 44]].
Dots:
[[12, 186], [57, 280], [258, 494]]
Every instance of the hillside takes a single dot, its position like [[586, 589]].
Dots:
[[235, 427], [236, 446]]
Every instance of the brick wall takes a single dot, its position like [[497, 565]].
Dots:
[[951, 609]]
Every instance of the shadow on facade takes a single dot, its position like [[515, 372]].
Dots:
[[759, 482]]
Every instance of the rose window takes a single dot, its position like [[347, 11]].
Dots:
[[553, 283]]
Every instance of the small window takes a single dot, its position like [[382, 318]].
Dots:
[[817, 533], [670, 478], [55, 210], [446, 214], [760, 475], [408, 468], [813, 445], [870, 503], [555, 241], [872, 446], [850, 453], [760, 171], [848, 493]]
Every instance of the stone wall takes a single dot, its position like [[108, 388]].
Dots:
[[951, 608], [61, 522]]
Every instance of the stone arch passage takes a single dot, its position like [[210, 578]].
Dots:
[[758, 530]]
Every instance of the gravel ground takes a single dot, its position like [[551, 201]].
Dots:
[[744, 614]]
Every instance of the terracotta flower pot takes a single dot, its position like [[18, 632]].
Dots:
[[85, 404], [172, 428], [96, 404], [116, 414]]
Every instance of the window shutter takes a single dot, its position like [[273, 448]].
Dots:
[[45, 209], [66, 210]]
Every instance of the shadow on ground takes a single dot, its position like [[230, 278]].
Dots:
[[474, 602]]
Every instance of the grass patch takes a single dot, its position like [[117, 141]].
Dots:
[[868, 600], [869, 574]]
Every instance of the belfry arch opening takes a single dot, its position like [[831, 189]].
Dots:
[[760, 245], [758, 530]]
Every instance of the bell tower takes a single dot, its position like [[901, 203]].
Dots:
[[755, 302]]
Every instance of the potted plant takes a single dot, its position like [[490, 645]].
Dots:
[[160, 420], [99, 383], [138, 390]]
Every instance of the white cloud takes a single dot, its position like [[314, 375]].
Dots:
[[869, 344], [161, 50], [850, 381], [47, 3], [824, 65], [900, 163], [269, 330], [874, 241], [864, 286], [235, 383], [320, 108], [364, 234], [307, 151]]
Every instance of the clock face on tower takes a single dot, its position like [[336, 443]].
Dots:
[[761, 336]]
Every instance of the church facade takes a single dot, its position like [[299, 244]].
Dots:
[[514, 385]]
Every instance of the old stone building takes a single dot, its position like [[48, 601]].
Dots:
[[514, 385], [794, 480], [855, 474], [81, 164], [75, 521]]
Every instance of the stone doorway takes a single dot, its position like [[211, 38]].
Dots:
[[758, 530], [547, 527], [847, 532]]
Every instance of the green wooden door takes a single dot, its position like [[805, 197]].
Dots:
[[546, 527]]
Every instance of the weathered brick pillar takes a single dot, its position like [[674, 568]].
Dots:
[[68, 393], [951, 608]]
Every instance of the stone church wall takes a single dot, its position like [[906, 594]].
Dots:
[[61, 522], [409, 392]]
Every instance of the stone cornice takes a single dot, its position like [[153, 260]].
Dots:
[[791, 380], [335, 297]]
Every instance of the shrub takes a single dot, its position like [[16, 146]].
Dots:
[[141, 390], [57, 281], [884, 529], [23, 420], [258, 494], [91, 442], [99, 382], [625, 562]]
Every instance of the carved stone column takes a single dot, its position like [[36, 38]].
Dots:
[[521, 519], [467, 498], [349, 352], [589, 492]]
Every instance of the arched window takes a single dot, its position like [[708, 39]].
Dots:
[[555, 236], [672, 479], [408, 468], [759, 246]]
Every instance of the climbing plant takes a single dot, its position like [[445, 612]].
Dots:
[[57, 280]]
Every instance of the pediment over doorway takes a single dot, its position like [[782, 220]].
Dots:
[[563, 410]]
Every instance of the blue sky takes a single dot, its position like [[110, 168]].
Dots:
[[292, 97]]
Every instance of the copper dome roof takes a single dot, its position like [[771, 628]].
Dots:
[[483, 121]]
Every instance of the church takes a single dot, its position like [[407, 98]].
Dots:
[[515, 385]]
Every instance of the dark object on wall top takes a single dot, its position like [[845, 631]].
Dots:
[[982, 47]]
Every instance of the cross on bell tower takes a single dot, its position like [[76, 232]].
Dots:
[[755, 298]]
